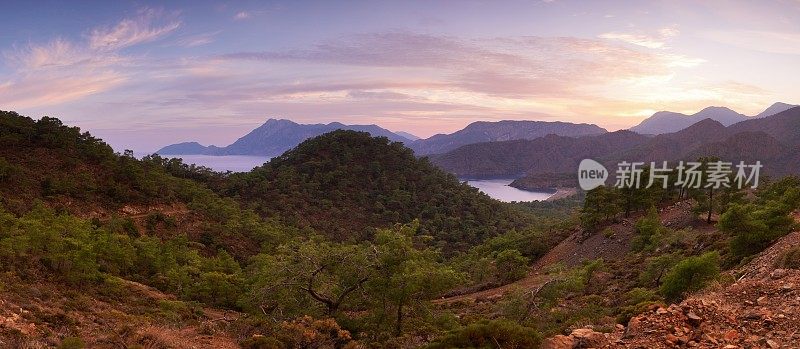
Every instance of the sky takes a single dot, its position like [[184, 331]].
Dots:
[[143, 74]]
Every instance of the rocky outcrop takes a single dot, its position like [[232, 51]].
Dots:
[[579, 338], [760, 309]]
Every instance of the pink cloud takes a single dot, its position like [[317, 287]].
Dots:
[[645, 40], [61, 71], [512, 67], [133, 31]]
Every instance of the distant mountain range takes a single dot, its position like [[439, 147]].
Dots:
[[484, 131], [515, 148], [549, 154], [668, 122], [773, 140], [407, 135], [275, 137]]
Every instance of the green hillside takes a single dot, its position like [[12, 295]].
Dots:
[[344, 183], [350, 230]]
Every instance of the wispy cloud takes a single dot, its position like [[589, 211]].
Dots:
[[61, 70], [380, 49], [511, 67], [132, 31], [242, 15], [392, 78], [58, 52], [644, 40], [55, 87], [433, 81], [197, 39]]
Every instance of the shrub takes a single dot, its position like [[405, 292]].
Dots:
[[154, 219], [122, 226], [490, 334], [307, 332], [690, 274], [648, 231], [514, 304], [177, 311], [588, 269], [113, 287], [755, 226], [261, 342], [6, 169], [790, 259], [511, 265], [657, 268], [71, 343], [216, 288], [635, 301]]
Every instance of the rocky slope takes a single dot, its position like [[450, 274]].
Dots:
[[758, 310]]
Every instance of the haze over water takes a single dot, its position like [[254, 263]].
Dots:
[[496, 188], [233, 163], [499, 189]]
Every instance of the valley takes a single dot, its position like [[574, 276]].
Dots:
[[155, 252], [399, 174]]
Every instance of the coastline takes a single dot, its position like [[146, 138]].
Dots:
[[562, 193]]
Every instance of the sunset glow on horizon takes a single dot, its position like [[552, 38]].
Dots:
[[142, 75]]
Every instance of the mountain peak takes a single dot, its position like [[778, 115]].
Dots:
[[183, 148], [721, 114], [706, 123], [705, 130], [715, 108], [775, 108], [504, 130], [670, 122], [408, 135], [274, 137], [274, 121]]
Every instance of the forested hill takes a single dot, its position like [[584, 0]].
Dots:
[[70, 170], [94, 234], [46, 164], [345, 182], [46, 160]]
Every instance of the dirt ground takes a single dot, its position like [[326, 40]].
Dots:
[[761, 309], [42, 315], [577, 249]]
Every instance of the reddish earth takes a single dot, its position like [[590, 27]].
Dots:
[[41, 315], [761, 309], [578, 248]]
